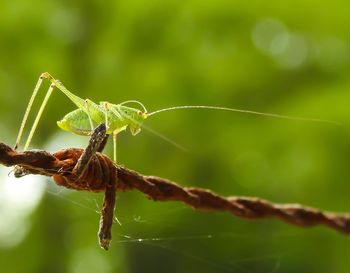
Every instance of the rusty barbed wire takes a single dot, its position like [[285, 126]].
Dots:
[[60, 165]]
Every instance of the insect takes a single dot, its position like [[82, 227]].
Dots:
[[117, 117]]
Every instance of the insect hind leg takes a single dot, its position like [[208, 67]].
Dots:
[[38, 116], [28, 109], [29, 106], [87, 101], [54, 83]]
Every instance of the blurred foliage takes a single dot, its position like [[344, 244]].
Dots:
[[286, 57]]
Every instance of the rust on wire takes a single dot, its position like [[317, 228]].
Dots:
[[90, 170]]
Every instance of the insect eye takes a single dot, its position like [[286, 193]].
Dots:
[[139, 113]]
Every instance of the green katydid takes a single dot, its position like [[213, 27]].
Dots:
[[117, 117]]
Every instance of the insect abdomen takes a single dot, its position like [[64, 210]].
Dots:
[[76, 122]]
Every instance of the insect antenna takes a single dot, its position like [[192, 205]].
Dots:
[[241, 111], [137, 102], [152, 131]]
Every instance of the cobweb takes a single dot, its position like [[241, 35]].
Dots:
[[169, 235]]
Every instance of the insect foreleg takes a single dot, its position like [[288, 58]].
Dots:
[[115, 133], [109, 107]]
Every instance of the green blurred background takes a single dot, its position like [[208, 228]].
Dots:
[[286, 57]]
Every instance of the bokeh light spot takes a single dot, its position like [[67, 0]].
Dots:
[[288, 49], [18, 199]]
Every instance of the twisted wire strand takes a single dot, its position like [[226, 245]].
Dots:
[[160, 189]]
